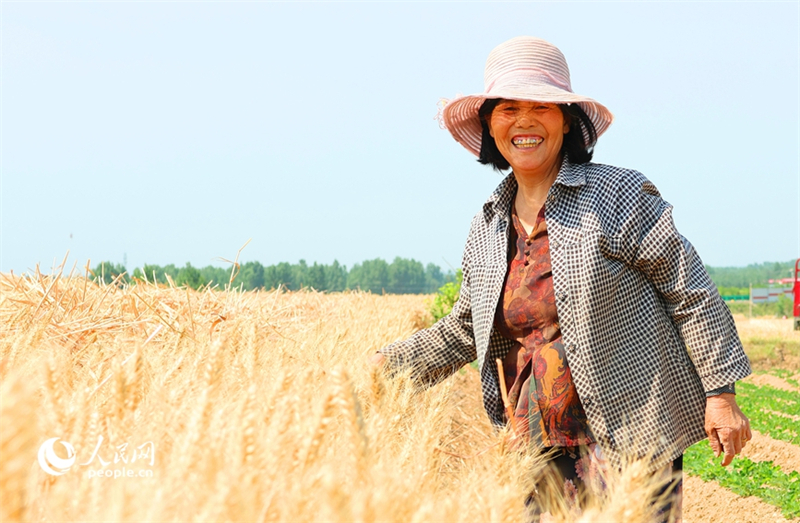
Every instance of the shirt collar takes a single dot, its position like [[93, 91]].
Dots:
[[570, 175]]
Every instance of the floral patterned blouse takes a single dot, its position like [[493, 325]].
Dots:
[[537, 374]]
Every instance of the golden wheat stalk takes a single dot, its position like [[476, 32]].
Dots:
[[260, 407]]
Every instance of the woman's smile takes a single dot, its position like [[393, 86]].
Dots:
[[526, 141]]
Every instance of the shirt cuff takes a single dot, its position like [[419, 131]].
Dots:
[[727, 389]]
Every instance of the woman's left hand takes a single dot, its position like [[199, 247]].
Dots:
[[727, 427]]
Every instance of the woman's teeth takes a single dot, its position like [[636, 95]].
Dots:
[[526, 142]]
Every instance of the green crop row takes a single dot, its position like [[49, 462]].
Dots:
[[747, 478], [783, 374], [762, 405]]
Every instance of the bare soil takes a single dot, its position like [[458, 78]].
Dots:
[[764, 448], [773, 381], [708, 502]]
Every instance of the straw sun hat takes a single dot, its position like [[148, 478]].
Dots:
[[523, 68]]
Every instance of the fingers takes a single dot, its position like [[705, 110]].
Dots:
[[727, 440], [377, 359], [727, 427], [747, 434], [713, 440], [737, 438], [727, 458]]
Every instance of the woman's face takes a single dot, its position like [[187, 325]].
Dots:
[[529, 135]]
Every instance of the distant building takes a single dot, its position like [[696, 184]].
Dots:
[[770, 294]]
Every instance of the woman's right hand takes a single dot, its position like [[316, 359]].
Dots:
[[377, 359], [727, 427]]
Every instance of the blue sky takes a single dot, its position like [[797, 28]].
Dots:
[[167, 132]]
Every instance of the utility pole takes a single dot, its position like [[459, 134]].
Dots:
[[751, 301]]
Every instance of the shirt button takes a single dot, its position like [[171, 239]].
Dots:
[[561, 295], [555, 244], [588, 402], [572, 348]]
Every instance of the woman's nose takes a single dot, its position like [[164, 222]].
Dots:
[[524, 118]]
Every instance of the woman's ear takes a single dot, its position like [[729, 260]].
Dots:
[[567, 117]]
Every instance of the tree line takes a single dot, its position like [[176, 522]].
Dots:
[[401, 276], [756, 274]]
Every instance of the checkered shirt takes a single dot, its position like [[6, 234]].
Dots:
[[645, 328]]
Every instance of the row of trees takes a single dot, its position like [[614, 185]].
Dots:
[[756, 274], [401, 276]]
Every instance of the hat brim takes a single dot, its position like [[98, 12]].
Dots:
[[460, 115]]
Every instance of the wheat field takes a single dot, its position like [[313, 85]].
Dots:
[[257, 406]]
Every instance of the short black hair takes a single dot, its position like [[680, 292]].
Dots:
[[574, 146]]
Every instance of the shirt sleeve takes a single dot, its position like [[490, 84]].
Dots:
[[727, 389], [434, 353], [689, 296]]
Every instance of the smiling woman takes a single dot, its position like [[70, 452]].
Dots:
[[569, 351], [529, 135], [574, 142]]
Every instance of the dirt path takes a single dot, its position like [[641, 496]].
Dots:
[[760, 380], [707, 502]]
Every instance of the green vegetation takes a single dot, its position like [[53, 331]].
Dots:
[[405, 276], [402, 276], [765, 480], [764, 405], [733, 285], [107, 272], [734, 292], [747, 478], [784, 374], [778, 309], [755, 274], [446, 297]]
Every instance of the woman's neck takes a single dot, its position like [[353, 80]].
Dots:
[[531, 194]]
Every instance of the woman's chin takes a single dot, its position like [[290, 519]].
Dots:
[[533, 167]]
